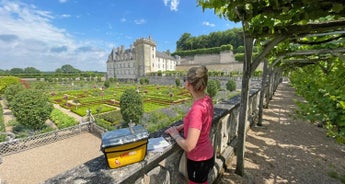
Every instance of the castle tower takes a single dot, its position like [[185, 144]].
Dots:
[[145, 53]]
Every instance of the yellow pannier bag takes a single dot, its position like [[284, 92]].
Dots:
[[125, 146]]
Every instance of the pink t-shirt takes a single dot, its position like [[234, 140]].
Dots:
[[200, 116]]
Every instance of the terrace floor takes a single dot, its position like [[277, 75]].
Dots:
[[39, 164], [288, 150]]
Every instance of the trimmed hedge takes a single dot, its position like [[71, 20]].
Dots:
[[62, 120]]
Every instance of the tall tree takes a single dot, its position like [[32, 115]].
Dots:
[[181, 43], [16, 71], [68, 69], [31, 70]]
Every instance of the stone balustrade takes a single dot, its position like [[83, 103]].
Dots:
[[162, 167]]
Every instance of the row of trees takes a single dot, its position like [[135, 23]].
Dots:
[[215, 39], [65, 71], [325, 96], [213, 43]]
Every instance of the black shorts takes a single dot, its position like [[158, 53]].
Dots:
[[198, 170]]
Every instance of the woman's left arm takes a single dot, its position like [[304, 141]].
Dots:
[[188, 143]]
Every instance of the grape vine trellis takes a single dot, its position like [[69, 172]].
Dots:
[[278, 28]]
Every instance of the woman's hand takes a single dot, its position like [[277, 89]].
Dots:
[[172, 131], [180, 127]]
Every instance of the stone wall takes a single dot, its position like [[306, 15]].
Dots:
[[225, 61], [170, 80]]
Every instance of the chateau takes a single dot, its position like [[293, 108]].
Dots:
[[138, 61]]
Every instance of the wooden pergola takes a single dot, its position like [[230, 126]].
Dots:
[[298, 58]]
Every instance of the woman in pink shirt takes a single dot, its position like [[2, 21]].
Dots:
[[196, 125]]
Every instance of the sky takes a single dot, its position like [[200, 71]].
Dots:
[[47, 34]]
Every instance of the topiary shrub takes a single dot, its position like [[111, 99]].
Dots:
[[31, 108], [212, 88], [131, 106], [231, 85]]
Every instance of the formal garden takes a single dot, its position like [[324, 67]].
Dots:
[[161, 104]]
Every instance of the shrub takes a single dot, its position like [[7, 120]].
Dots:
[[105, 124], [131, 106], [106, 84], [7, 81], [113, 117], [212, 88], [239, 57], [12, 90], [178, 82], [231, 85], [31, 108]]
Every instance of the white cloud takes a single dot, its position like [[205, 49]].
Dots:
[[206, 23], [140, 21], [63, 1], [28, 39], [123, 19], [173, 4], [166, 2], [65, 15]]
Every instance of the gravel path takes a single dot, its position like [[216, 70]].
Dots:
[[7, 114], [39, 164], [288, 150]]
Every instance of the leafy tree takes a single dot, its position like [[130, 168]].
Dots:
[[325, 96], [31, 70], [2, 72], [31, 108], [16, 71], [7, 81], [214, 39], [12, 90], [212, 88], [131, 106], [181, 43], [231, 85], [67, 69]]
